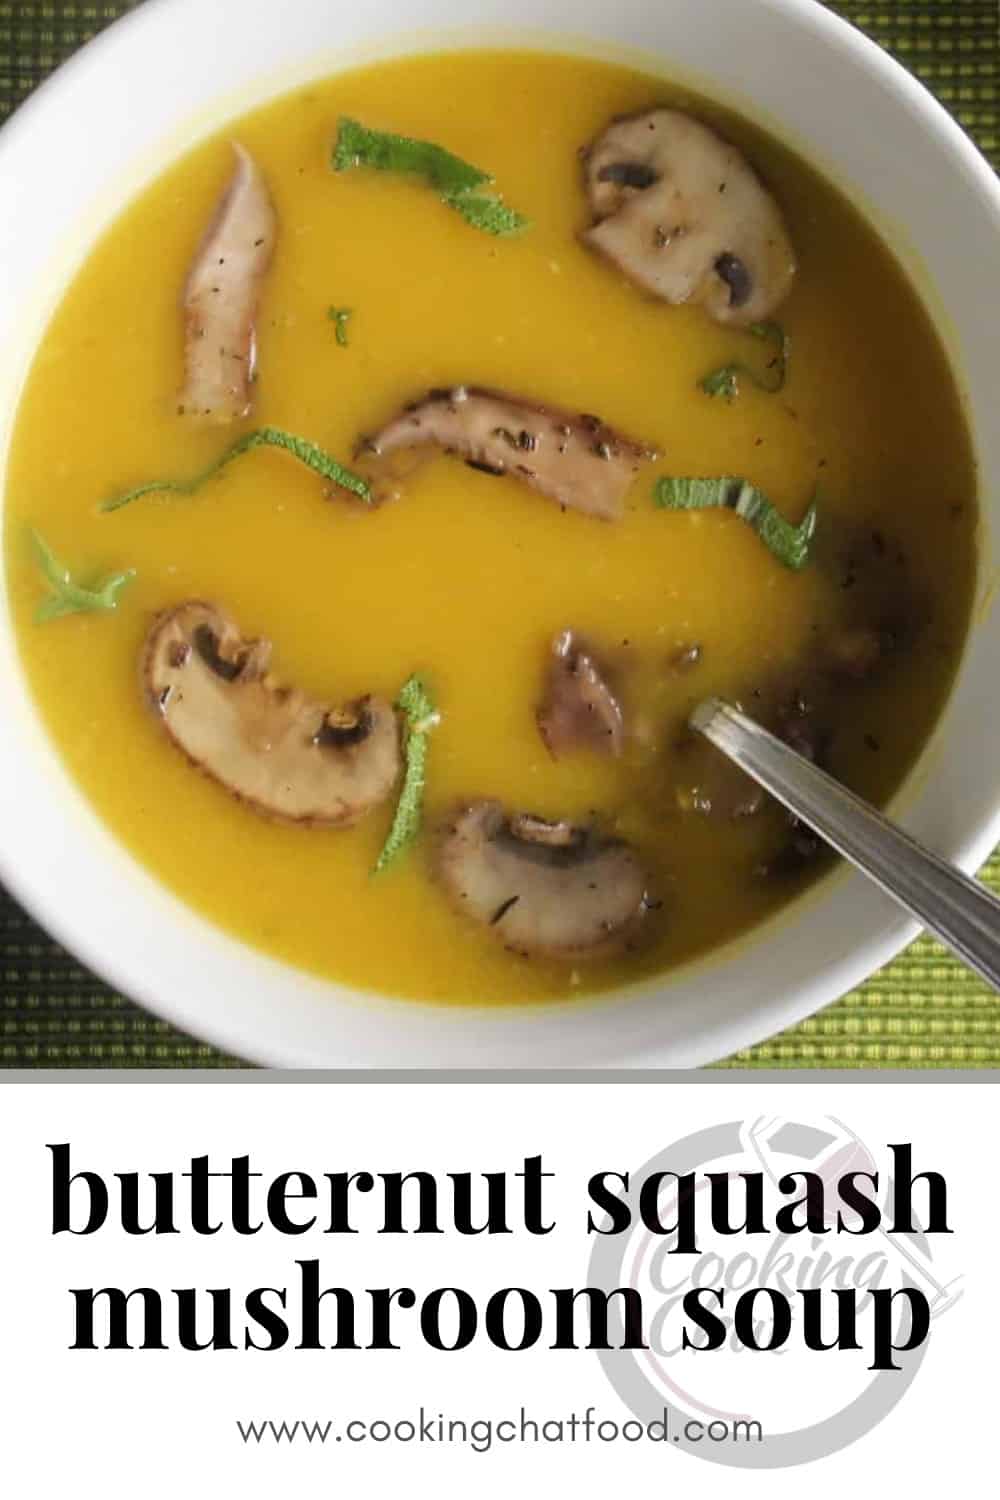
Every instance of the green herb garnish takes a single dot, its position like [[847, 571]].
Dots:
[[454, 179], [725, 381], [357, 146], [789, 544], [306, 452], [487, 213], [421, 717], [341, 317], [67, 597]]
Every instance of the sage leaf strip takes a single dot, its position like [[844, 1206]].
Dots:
[[67, 597], [415, 704], [788, 543], [308, 453], [456, 181]]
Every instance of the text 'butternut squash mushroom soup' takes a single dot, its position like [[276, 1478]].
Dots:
[[408, 461]]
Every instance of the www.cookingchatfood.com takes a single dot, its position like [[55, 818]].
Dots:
[[482, 1434]]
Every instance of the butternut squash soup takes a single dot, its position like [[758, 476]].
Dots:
[[408, 461]]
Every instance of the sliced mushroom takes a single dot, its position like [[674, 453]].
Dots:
[[577, 461], [272, 747], [579, 711], [684, 215], [221, 297], [546, 889]]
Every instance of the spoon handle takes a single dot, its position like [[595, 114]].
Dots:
[[960, 912]]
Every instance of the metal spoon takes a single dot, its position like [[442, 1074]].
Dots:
[[957, 910]]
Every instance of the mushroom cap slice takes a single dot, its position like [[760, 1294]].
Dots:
[[579, 711], [685, 216], [221, 298], [577, 460], [282, 753], [546, 889]]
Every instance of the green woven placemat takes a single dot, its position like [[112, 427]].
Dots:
[[923, 1011]]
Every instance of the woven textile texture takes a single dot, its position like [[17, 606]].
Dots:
[[923, 1011]]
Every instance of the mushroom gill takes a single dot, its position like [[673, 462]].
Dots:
[[577, 460], [685, 216], [578, 710], [221, 296], [550, 890], [282, 753]]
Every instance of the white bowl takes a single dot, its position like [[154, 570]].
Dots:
[[174, 71]]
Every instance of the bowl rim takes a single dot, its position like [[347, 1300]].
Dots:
[[727, 1034]]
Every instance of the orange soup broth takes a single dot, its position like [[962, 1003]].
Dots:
[[468, 578]]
